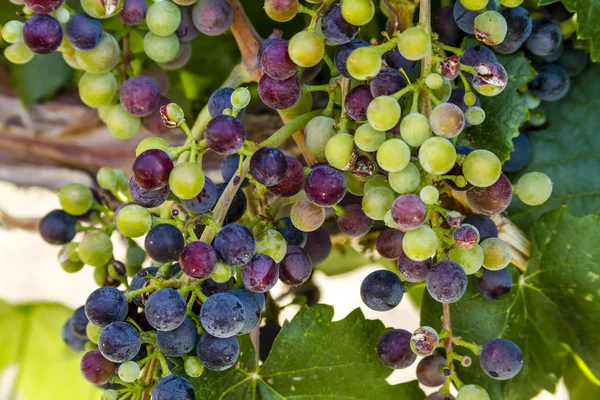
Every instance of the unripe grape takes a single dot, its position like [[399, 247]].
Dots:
[[134, 221], [383, 113], [475, 115], [110, 395], [18, 53], [511, 3], [429, 194], [437, 155], [96, 249], [470, 259], [339, 151], [306, 49], [163, 18], [534, 188], [363, 63], [101, 58], [221, 273], [317, 133], [161, 49], [102, 9], [12, 31], [420, 244], [75, 198], [447, 120], [393, 155], [122, 124], [307, 216], [151, 142], [474, 5], [406, 180], [368, 138], [193, 367], [415, 129], [482, 168], [358, 12], [129, 371], [281, 10], [470, 99], [271, 243], [240, 98], [434, 81], [377, 201], [496, 253], [490, 27], [472, 392], [97, 90], [414, 43], [186, 180]]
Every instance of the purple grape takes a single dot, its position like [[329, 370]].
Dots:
[[430, 370], [342, 54], [387, 82], [105, 305], [545, 37], [574, 61], [357, 101], [83, 32], [296, 266], [212, 17], [325, 186], [198, 259], [279, 94], [205, 201], [438, 396], [292, 235], [311, 73], [446, 282], [394, 349], [252, 308], [501, 359], [475, 55], [275, 60], [43, 6], [413, 271], [493, 199], [389, 243], [318, 245], [173, 387], [133, 12], [165, 309], [519, 24], [334, 26], [292, 181], [395, 60], [139, 280], [424, 341], [453, 219], [445, 26], [237, 207], [556, 12], [187, 30], [494, 285], [354, 222], [222, 315], [119, 342], [148, 198], [235, 244], [485, 226], [79, 322], [268, 166], [260, 274], [160, 77], [164, 243], [74, 342], [465, 236], [42, 33], [151, 169], [217, 354], [263, 47], [225, 134], [409, 212], [58, 227], [381, 290], [210, 287], [552, 83], [140, 96], [95, 368]]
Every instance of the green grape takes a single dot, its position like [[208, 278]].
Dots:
[[339, 151], [240, 98], [151, 143], [474, 5], [101, 9], [89, 346], [173, 115], [12, 31], [429, 194], [93, 331], [420, 244], [302, 106], [307, 216], [537, 117], [475, 115], [406, 180], [317, 133], [368, 138], [96, 249], [481, 168], [568, 27], [534, 188], [496, 253], [281, 11], [415, 129], [98, 90], [106, 179], [393, 155], [354, 185], [67, 264], [490, 27], [472, 392], [306, 49], [129, 371], [388, 220], [222, 272], [437, 155], [470, 259], [163, 18], [100, 274], [122, 180], [434, 81], [72, 251], [103, 111], [377, 201], [75, 198], [376, 180], [193, 367], [134, 221], [110, 395], [447, 120], [122, 124], [470, 99], [531, 100], [414, 43], [101, 58], [363, 63], [18, 53], [62, 15], [271, 243], [358, 12], [444, 92], [383, 113], [161, 49], [186, 180]]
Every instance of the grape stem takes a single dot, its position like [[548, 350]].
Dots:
[[456, 50], [474, 347], [425, 22], [332, 69], [448, 344]]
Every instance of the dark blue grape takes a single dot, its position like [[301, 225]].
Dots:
[[139, 280], [475, 55], [486, 227], [218, 354], [229, 166], [519, 24], [42, 33], [394, 349], [220, 100], [574, 61], [395, 60], [545, 37], [556, 12], [552, 83], [295, 267], [148, 198], [235, 244], [165, 309], [268, 166], [83, 32], [445, 26], [180, 341], [119, 342], [105, 305], [238, 204], [342, 54], [446, 282], [58, 227], [205, 201], [173, 387], [292, 235], [520, 156], [252, 308], [311, 73], [222, 315], [74, 342], [381, 290], [539, 61], [164, 243], [494, 285], [210, 287], [438, 396], [79, 322], [465, 19], [335, 28], [507, 47], [387, 82], [501, 359]]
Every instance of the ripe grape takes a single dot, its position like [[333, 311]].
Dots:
[[342, 54], [75, 198], [325, 186], [545, 37], [389, 243], [470, 259], [363, 63], [139, 280], [437, 155], [165, 309], [395, 60], [381, 290], [96, 249], [186, 31], [472, 392], [43, 6], [217, 354], [437, 395], [430, 370], [292, 181], [198, 259], [164, 243], [121, 123], [358, 12], [377, 201], [445, 26], [78, 323], [95, 368], [101, 58], [42, 33], [552, 83], [317, 133], [406, 180], [556, 12], [465, 236], [222, 315], [203, 202], [260, 274], [212, 17], [534, 188], [292, 235], [173, 387], [161, 49], [496, 254], [119, 342], [318, 245], [354, 222], [475, 55], [238, 205], [447, 120], [306, 49], [394, 349], [482, 168], [490, 27], [83, 32], [252, 307], [106, 305], [501, 359], [140, 95], [133, 221], [387, 82], [334, 26], [413, 271], [268, 166], [446, 282], [133, 12], [409, 212], [148, 198], [393, 155], [357, 101], [225, 134], [519, 24], [493, 199], [275, 60], [494, 285], [414, 43], [415, 129], [97, 90], [307, 216], [235, 244], [279, 94], [281, 10], [423, 342], [73, 341], [574, 61], [383, 113], [296, 266], [420, 244]]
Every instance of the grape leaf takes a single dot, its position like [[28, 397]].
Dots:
[[579, 386], [32, 348], [312, 358], [504, 113], [568, 151], [552, 303]]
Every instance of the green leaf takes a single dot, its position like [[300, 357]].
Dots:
[[312, 358], [552, 303], [30, 341], [504, 113], [568, 151], [579, 386]]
